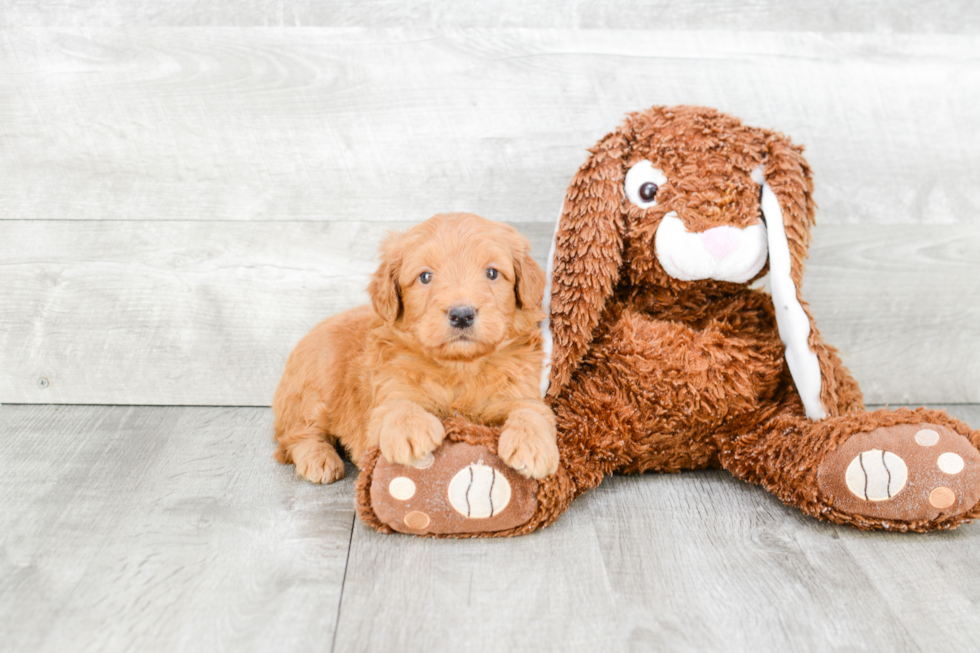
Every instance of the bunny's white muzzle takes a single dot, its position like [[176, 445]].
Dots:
[[722, 253]]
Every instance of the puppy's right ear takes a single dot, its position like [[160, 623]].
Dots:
[[529, 282], [384, 290]]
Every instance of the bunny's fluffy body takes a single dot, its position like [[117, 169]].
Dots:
[[665, 355]]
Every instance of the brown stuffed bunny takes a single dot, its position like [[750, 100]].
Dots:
[[662, 356]]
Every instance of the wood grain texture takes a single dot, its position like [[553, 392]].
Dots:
[[928, 582], [687, 562], [928, 16], [158, 123], [163, 529], [902, 304], [205, 313], [544, 592], [197, 313]]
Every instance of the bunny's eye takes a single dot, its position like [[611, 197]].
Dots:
[[648, 191], [425, 277], [642, 183]]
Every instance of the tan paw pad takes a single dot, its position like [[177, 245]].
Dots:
[[951, 463], [401, 488], [942, 497], [417, 520], [926, 437]]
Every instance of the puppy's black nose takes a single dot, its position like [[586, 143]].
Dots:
[[462, 317]]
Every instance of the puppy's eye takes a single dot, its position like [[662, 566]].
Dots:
[[642, 183], [425, 277], [492, 274]]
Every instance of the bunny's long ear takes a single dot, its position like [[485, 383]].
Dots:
[[585, 260], [788, 208]]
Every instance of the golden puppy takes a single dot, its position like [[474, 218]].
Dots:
[[452, 330]]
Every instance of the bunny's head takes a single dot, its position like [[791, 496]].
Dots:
[[679, 196]]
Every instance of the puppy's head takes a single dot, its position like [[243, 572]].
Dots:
[[458, 286]]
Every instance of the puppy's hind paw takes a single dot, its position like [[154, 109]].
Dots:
[[318, 462]]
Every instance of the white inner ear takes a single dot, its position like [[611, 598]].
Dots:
[[722, 253], [548, 343], [792, 321]]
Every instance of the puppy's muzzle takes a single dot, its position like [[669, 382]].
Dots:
[[461, 317]]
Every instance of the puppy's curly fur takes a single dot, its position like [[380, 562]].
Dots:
[[452, 330]]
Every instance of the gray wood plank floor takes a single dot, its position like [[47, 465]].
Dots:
[[163, 529], [167, 528]]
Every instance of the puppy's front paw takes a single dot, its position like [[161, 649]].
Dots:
[[318, 462], [409, 434], [528, 444]]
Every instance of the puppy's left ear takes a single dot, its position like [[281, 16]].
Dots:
[[384, 290], [529, 282]]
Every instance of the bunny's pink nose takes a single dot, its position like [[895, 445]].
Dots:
[[721, 241]]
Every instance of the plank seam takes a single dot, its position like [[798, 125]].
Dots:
[[343, 582]]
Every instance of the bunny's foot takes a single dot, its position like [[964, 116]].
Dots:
[[460, 488], [915, 472]]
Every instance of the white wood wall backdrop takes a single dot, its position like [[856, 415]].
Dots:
[[328, 124], [205, 313], [929, 16], [180, 204]]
